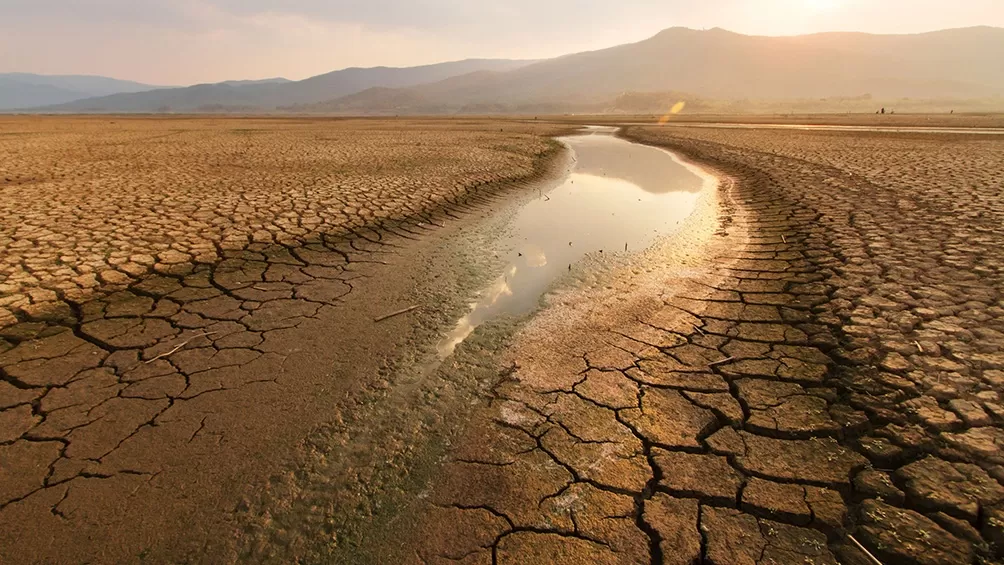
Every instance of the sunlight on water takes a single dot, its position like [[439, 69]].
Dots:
[[619, 196]]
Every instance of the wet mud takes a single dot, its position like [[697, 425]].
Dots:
[[618, 197], [814, 379]]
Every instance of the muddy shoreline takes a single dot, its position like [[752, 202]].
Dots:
[[444, 399], [825, 388], [161, 406], [602, 293], [804, 328]]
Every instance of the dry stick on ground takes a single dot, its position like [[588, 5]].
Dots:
[[398, 313], [721, 361], [179, 346], [866, 552]]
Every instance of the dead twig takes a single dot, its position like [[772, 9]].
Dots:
[[919, 348], [398, 313], [179, 346], [783, 239], [865, 551], [721, 361]]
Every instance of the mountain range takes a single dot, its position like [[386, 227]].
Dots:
[[270, 95], [720, 65], [20, 90], [695, 65]]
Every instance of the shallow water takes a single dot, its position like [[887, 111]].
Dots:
[[618, 196]]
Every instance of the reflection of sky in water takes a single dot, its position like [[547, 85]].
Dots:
[[619, 193]]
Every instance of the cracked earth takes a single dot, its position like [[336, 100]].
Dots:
[[828, 373], [175, 293], [816, 359]]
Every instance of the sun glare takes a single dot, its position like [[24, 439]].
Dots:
[[822, 5]]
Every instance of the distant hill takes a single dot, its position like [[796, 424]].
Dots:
[[269, 95], [277, 80], [20, 90], [715, 68], [717, 65]]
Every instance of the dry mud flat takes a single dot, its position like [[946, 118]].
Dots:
[[818, 354], [899, 120], [823, 368], [184, 300]]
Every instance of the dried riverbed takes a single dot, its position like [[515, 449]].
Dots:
[[397, 442], [808, 361]]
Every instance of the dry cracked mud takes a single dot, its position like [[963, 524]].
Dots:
[[181, 299], [824, 369], [816, 358]]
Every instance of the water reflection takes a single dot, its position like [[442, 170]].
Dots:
[[649, 168], [618, 196]]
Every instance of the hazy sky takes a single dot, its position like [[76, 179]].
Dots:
[[190, 41]]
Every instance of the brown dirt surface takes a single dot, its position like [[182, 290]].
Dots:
[[957, 120], [102, 202], [825, 364], [184, 300], [816, 355]]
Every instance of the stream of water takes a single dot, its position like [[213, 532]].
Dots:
[[617, 197]]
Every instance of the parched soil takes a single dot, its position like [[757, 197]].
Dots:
[[183, 300], [102, 202], [957, 120], [824, 370], [815, 361]]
